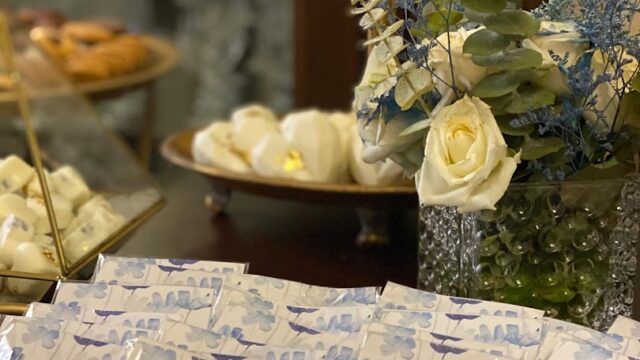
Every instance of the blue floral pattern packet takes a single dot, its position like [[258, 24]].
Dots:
[[73, 311], [392, 331], [395, 296], [111, 334], [523, 332], [194, 305], [165, 275], [625, 327], [386, 346], [109, 267], [581, 350], [295, 293], [44, 340]]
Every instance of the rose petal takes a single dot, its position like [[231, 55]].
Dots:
[[485, 196]]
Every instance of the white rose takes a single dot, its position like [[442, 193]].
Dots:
[[608, 100], [382, 140], [466, 163], [378, 174], [563, 39], [274, 157], [467, 74]]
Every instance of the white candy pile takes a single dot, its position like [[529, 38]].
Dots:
[[83, 218], [137, 308], [306, 146]]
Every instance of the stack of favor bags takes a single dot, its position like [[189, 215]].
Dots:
[[136, 308]]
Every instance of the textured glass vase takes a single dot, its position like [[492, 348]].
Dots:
[[568, 248]]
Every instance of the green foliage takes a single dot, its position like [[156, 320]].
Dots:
[[500, 84], [516, 59], [485, 42], [536, 148], [504, 122], [440, 21], [630, 109], [531, 99], [485, 6], [513, 22]]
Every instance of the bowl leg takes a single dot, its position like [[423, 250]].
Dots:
[[374, 225], [218, 199]]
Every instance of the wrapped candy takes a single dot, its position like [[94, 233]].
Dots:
[[314, 136], [86, 232], [34, 258], [13, 232], [14, 174], [212, 146], [70, 184], [16, 205], [249, 125], [62, 208]]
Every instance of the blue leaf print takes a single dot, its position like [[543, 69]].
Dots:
[[398, 340], [17, 353], [339, 353], [463, 301], [445, 349], [158, 304], [170, 269], [461, 317], [301, 310], [185, 301], [135, 287], [249, 344], [209, 337], [343, 323], [44, 332], [610, 341], [63, 311], [182, 262], [592, 352], [88, 342], [258, 312], [302, 329], [412, 318], [227, 357], [132, 267], [106, 313], [424, 299], [443, 338], [95, 290]]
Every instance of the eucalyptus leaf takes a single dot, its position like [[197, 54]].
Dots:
[[416, 127], [411, 86], [531, 99], [485, 6], [388, 32], [485, 42], [534, 149], [630, 109], [504, 122], [500, 84], [516, 59], [370, 19], [513, 22], [440, 21]]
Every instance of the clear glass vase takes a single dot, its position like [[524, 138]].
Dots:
[[568, 248]]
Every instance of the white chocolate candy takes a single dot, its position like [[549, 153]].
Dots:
[[344, 123], [14, 174], [273, 157], [70, 184], [92, 205], [212, 146], [33, 188], [14, 204], [249, 125], [378, 174], [13, 232], [62, 208], [314, 136], [32, 258], [87, 232]]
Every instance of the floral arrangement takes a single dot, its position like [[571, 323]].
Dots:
[[470, 96]]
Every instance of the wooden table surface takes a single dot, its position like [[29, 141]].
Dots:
[[303, 242]]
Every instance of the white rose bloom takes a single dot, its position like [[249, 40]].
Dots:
[[212, 146], [378, 174], [250, 124], [467, 74], [564, 40], [466, 163], [274, 157], [607, 98]]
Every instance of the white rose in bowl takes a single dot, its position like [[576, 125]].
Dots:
[[273, 157], [465, 72], [563, 39], [249, 125], [379, 174], [466, 163], [608, 99]]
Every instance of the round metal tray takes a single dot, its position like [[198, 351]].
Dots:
[[372, 202]]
